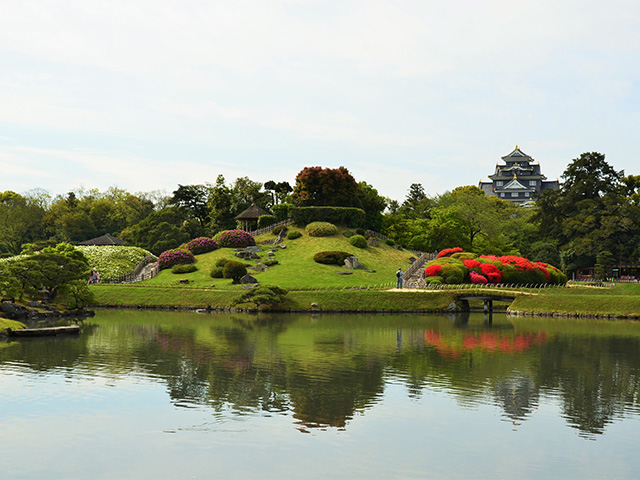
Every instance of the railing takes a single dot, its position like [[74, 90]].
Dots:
[[136, 275], [268, 229]]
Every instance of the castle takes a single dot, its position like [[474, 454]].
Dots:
[[519, 180]]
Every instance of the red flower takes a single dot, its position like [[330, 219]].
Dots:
[[433, 271]]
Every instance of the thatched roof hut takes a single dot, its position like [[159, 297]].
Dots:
[[249, 217], [103, 240]]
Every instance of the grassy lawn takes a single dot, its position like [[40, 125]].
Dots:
[[296, 269]]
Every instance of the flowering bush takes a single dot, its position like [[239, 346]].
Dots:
[[113, 261], [201, 245], [476, 278], [449, 251], [176, 256], [453, 262], [235, 239]]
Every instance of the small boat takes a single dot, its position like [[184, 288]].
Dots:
[[43, 332]]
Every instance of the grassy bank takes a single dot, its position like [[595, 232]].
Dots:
[[331, 300], [621, 300]]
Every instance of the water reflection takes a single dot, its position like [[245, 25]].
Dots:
[[324, 370]]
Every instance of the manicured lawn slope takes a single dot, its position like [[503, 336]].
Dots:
[[296, 269]]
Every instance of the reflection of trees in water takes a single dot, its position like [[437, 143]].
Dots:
[[597, 378], [518, 396], [326, 373]]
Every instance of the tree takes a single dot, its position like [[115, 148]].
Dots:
[[20, 221], [373, 205], [317, 186], [220, 206], [605, 261], [193, 199]]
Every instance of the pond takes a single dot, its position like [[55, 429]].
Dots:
[[166, 395]]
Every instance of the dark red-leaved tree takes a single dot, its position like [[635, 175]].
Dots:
[[317, 186]]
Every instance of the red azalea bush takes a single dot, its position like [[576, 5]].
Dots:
[[509, 269], [176, 256], [201, 245], [449, 251]]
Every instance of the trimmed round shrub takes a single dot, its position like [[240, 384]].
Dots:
[[389, 242], [235, 239], [321, 229], [358, 241], [222, 262], [293, 234], [216, 272], [179, 269], [176, 256], [234, 270], [201, 245], [276, 231], [434, 280], [360, 231], [331, 257]]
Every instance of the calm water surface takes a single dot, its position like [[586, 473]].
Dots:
[[165, 395]]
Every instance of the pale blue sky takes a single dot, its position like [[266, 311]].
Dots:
[[149, 94]]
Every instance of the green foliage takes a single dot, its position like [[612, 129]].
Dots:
[[348, 216], [434, 280], [321, 229], [271, 262], [222, 262], [358, 241], [180, 269], [193, 199], [77, 294], [293, 234], [160, 231], [360, 231], [276, 231], [216, 272], [281, 211], [266, 220], [234, 270], [605, 261], [263, 296], [331, 257]]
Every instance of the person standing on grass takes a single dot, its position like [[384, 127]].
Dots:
[[399, 275]]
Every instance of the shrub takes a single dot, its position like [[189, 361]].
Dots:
[[348, 234], [216, 272], [389, 242], [453, 276], [222, 262], [292, 235], [201, 245], [360, 231], [263, 296], [271, 262], [447, 252], [266, 220], [321, 229], [176, 256], [234, 270], [235, 239], [358, 241], [281, 211], [179, 269], [276, 231], [331, 257], [476, 278]]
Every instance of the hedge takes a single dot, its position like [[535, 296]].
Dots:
[[348, 216]]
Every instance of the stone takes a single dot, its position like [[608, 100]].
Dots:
[[184, 280], [253, 249], [254, 256], [244, 255], [345, 273], [369, 271], [261, 267], [282, 246], [281, 236], [314, 305], [352, 262], [248, 279], [271, 254], [373, 242], [14, 311], [33, 303], [412, 259], [250, 286]]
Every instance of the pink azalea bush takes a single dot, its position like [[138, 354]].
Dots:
[[176, 256], [235, 239], [201, 245]]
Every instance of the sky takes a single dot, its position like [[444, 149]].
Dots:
[[147, 95]]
